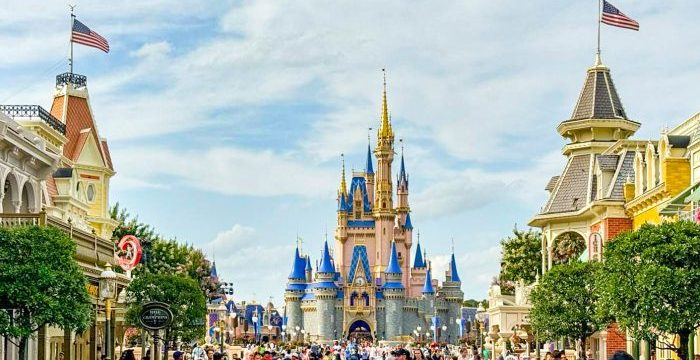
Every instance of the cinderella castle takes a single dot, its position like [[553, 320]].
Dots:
[[370, 287]]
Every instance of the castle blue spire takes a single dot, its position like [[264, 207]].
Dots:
[[408, 225], [298, 271], [402, 170], [394, 267], [308, 263], [453, 269], [213, 274], [369, 169], [418, 262], [428, 286], [326, 263]]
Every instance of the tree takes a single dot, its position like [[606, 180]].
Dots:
[[651, 280], [130, 225], [565, 301], [40, 284], [181, 293], [568, 246], [521, 256]]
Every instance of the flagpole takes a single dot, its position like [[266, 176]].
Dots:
[[70, 39], [599, 10]]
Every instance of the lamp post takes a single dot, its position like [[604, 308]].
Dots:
[[297, 328], [303, 335], [234, 314], [108, 289], [284, 332], [444, 330], [222, 312], [458, 322], [481, 322], [255, 325]]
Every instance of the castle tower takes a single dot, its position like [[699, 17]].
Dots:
[[394, 295], [341, 231], [383, 204], [429, 297], [296, 286], [369, 174], [403, 211], [454, 296], [308, 269], [325, 291]]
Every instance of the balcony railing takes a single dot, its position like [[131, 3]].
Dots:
[[16, 220], [70, 78], [33, 112]]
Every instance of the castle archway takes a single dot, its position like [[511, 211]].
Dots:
[[360, 330]]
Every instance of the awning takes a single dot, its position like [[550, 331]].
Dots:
[[680, 201]]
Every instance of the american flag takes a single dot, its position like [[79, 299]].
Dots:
[[613, 16], [83, 35]]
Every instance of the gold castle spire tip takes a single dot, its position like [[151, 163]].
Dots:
[[343, 186], [385, 127]]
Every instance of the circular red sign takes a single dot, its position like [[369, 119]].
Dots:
[[128, 253]]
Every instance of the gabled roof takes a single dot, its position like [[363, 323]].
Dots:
[[393, 267], [625, 171], [79, 125], [358, 182], [359, 257], [598, 98]]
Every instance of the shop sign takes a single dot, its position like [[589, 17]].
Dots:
[[128, 253], [155, 315]]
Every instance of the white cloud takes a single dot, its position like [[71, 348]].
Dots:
[[225, 170], [257, 267]]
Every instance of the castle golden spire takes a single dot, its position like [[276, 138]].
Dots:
[[385, 127], [343, 186]]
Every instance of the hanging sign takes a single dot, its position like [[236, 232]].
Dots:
[[128, 253], [155, 315]]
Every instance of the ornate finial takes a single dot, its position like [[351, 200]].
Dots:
[[385, 127], [369, 135], [598, 62], [401, 142], [343, 186]]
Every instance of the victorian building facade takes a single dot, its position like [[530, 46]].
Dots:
[[369, 287], [56, 171]]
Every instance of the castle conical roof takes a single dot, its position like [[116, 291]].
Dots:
[[298, 266], [453, 269], [308, 263], [393, 267], [428, 286], [369, 168], [418, 262], [408, 225], [326, 263], [598, 98]]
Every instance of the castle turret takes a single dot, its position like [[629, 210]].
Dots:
[[341, 231], [369, 175], [296, 286], [308, 269], [325, 292], [384, 212], [454, 296], [428, 297], [394, 295]]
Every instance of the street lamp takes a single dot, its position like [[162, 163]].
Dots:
[[284, 332], [234, 314], [108, 289], [481, 322], [255, 325], [222, 310], [444, 329], [303, 335]]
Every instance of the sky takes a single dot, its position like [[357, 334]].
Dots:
[[226, 119]]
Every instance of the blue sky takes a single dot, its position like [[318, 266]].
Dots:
[[226, 119]]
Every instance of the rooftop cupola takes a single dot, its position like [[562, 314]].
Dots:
[[598, 116]]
